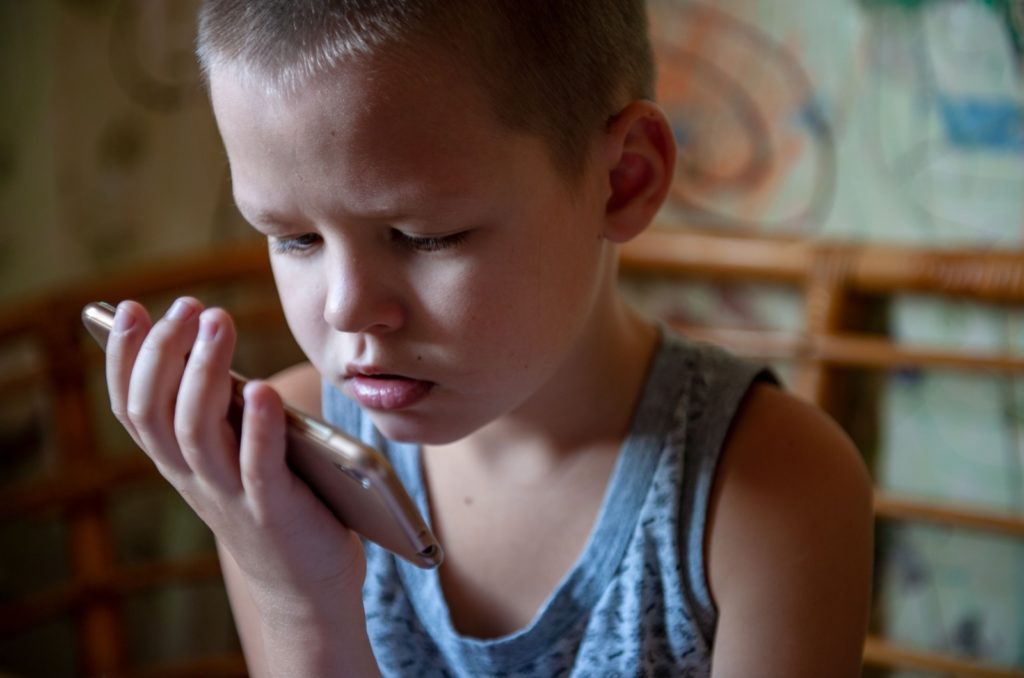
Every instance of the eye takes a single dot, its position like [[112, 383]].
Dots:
[[300, 244], [428, 243]]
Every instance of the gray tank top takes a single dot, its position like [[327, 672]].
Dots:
[[636, 602]]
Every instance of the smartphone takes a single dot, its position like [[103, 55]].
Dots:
[[354, 480]]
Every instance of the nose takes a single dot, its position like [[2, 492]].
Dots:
[[360, 297]]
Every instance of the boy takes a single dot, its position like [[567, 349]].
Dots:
[[442, 185]]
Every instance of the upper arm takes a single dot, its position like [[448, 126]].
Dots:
[[299, 386], [789, 544]]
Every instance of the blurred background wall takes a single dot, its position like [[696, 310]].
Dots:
[[108, 150], [885, 121]]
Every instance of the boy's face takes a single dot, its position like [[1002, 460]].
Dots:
[[431, 263]]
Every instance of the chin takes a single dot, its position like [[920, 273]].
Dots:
[[404, 429]]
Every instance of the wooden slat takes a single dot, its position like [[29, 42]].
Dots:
[[981, 274], [230, 263], [114, 582], [261, 317], [850, 350], [873, 269], [879, 652], [99, 626], [825, 306], [895, 507], [689, 254], [144, 576], [70, 487], [854, 350], [247, 319]]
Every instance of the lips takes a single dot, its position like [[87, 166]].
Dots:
[[380, 391]]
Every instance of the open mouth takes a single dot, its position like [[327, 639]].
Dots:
[[387, 391]]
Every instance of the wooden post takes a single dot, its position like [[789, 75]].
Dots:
[[98, 620]]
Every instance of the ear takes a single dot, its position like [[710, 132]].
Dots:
[[640, 153]]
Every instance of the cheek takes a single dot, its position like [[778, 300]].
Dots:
[[451, 300], [563, 267], [302, 302], [517, 295]]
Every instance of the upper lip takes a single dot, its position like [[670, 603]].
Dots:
[[370, 371]]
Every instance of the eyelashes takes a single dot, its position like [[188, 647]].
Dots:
[[297, 245], [309, 242], [428, 243]]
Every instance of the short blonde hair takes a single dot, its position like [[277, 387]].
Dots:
[[555, 68]]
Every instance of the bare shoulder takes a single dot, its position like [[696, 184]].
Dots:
[[789, 542], [299, 386], [779, 439]]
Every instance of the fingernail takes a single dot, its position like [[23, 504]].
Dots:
[[251, 404], [123, 320], [181, 310], [208, 328]]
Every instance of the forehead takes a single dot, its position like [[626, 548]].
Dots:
[[378, 131]]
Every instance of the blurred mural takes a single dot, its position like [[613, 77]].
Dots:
[[898, 121]]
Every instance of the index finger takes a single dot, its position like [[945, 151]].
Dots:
[[131, 325]]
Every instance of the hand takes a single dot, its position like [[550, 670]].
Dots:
[[170, 388]]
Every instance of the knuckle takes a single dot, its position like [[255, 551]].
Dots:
[[142, 417], [252, 477], [116, 343], [164, 336], [189, 433], [120, 412], [156, 343], [194, 497], [204, 361]]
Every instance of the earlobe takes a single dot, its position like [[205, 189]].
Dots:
[[641, 156]]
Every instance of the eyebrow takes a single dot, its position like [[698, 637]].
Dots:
[[273, 223], [260, 217]]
